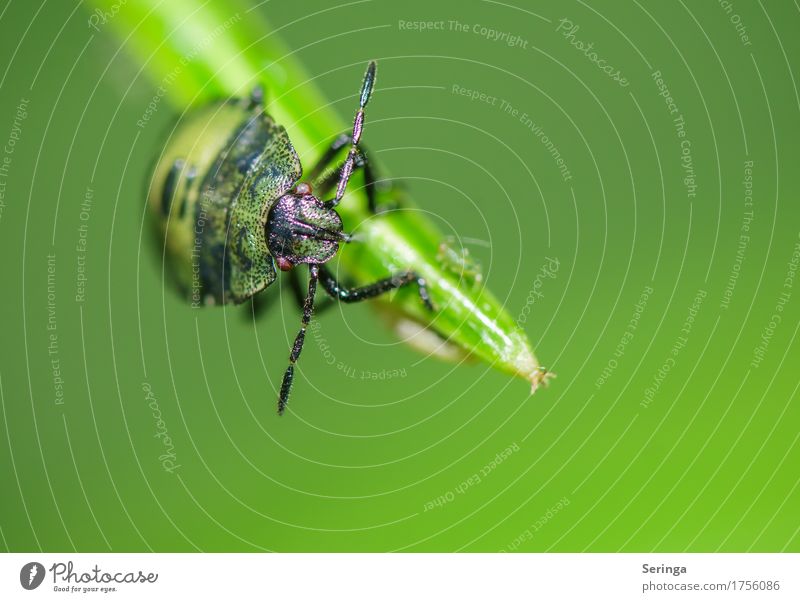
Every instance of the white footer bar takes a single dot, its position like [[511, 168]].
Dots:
[[354, 577]]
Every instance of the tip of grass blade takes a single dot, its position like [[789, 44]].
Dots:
[[541, 378], [521, 357]]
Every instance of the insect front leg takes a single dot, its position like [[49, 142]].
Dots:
[[362, 293], [297, 348], [299, 294], [260, 304]]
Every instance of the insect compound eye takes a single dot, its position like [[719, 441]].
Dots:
[[284, 264]]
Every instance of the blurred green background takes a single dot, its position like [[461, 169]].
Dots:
[[671, 315]]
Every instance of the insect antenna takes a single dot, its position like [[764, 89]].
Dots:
[[358, 127], [308, 309]]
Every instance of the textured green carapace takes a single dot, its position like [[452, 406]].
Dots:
[[223, 168]]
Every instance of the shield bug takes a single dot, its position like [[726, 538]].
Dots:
[[231, 203]]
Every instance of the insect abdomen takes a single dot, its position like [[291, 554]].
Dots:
[[194, 232]]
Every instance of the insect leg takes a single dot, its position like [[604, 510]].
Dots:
[[328, 156], [190, 176], [170, 184], [308, 309], [260, 304], [358, 127], [353, 295], [369, 180], [299, 295]]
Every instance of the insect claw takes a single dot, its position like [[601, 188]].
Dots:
[[424, 295]]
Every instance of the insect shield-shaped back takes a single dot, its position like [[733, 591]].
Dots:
[[222, 171]]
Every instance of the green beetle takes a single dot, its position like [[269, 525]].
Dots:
[[231, 203]]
